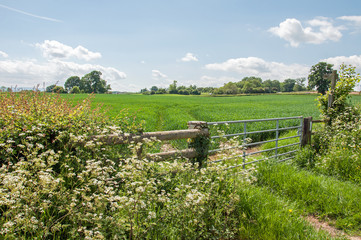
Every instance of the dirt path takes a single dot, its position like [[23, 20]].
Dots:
[[319, 225]]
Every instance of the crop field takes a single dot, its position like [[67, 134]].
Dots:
[[171, 112]]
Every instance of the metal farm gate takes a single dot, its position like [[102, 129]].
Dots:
[[276, 126]]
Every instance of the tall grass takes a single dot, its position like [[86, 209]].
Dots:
[[319, 195]]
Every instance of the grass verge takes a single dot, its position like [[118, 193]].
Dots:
[[327, 197]]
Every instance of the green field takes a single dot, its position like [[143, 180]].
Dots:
[[170, 112]]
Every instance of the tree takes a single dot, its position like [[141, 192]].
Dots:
[[287, 85], [247, 87], [183, 91], [230, 88], [59, 89], [50, 88], [276, 85], [195, 92], [317, 78], [143, 90], [72, 82], [93, 83], [161, 91], [154, 88], [300, 85], [75, 90], [173, 88], [268, 85]]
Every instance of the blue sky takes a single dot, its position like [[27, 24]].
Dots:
[[137, 44]]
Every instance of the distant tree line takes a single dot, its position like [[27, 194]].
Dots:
[[5, 89], [256, 85], [246, 85], [174, 89], [93, 83], [89, 83]]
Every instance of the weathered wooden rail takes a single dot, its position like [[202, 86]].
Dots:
[[195, 129]]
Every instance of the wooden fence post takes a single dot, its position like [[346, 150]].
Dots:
[[306, 131], [331, 97], [200, 143]]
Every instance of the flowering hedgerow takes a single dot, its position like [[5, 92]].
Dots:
[[51, 186], [337, 147]]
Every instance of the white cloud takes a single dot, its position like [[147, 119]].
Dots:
[[253, 66], [189, 57], [354, 22], [156, 75], [55, 50], [354, 60], [320, 30], [161, 79], [3, 54], [355, 19], [29, 73]]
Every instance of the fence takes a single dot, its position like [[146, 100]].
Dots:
[[199, 133]]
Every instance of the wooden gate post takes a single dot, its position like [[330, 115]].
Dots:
[[306, 131], [200, 143]]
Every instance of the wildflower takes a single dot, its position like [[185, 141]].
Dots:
[[41, 146], [139, 189], [9, 150], [152, 214]]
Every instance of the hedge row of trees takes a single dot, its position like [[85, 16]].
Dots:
[[256, 85], [246, 85], [89, 83], [173, 89]]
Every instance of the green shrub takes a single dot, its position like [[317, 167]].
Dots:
[[337, 147], [306, 158]]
